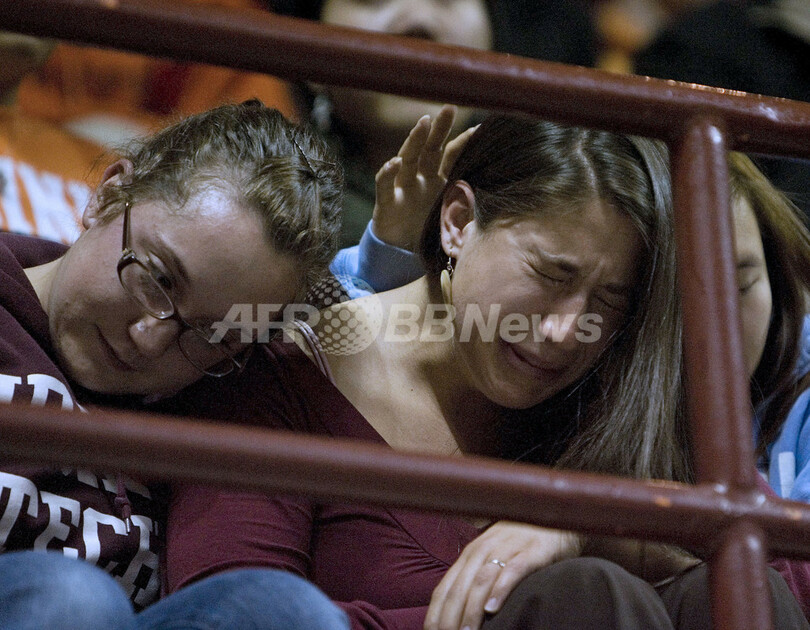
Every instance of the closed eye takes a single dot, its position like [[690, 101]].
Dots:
[[617, 304], [749, 270], [161, 277], [748, 273], [551, 279], [745, 287]]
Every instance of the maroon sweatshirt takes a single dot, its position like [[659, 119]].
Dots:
[[107, 519]]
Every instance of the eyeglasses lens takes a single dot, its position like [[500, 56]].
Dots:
[[142, 286], [212, 358]]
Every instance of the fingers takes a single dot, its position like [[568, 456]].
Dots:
[[459, 601], [412, 148], [483, 590], [423, 151], [453, 149], [437, 599], [385, 183], [489, 568], [440, 128], [448, 599], [505, 582], [407, 186]]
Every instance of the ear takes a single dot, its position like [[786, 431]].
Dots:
[[457, 220], [114, 175]]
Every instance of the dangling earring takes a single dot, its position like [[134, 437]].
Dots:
[[445, 281]]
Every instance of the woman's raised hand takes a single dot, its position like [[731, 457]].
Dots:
[[490, 567], [408, 184]]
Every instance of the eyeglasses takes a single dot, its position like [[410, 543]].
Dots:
[[211, 358]]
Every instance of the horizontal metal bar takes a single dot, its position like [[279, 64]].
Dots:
[[334, 469], [300, 50]]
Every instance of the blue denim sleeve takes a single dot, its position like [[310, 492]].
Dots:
[[789, 469], [373, 266]]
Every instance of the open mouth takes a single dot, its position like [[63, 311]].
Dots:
[[418, 32], [535, 364]]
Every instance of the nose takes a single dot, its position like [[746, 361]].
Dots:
[[561, 323], [417, 18], [154, 336]]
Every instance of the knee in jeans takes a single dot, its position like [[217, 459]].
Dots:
[[288, 595], [311, 603], [98, 603], [66, 593]]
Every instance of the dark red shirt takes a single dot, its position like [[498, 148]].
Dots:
[[63, 509], [381, 565]]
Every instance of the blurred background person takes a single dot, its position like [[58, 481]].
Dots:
[[758, 46], [63, 105], [111, 96], [367, 128], [625, 27], [44, 170]]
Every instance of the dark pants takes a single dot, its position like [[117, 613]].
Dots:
[[591, 593]]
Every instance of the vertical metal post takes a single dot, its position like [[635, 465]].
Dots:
[[717, 384], [740, 560]]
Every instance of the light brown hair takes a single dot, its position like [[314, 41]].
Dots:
[[282, 172]]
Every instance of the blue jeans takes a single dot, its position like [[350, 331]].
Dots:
[[247, 599], [49, 590], [44, 591]]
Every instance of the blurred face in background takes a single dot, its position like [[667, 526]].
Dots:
[[19, 55], [756, 299], [454, 22]]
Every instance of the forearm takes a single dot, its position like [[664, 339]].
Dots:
[[377, 264]]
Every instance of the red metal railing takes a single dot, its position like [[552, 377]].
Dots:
[[724, 513]]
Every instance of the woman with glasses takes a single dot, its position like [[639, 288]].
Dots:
[[235, 206]]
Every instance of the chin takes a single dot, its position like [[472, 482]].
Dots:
[[511, 396], [107, 381], [94, 382], [127, 386]]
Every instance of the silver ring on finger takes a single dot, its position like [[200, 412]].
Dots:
[[500, 563]]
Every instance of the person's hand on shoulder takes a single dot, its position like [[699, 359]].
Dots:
[[407, 185], [490, 567]]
